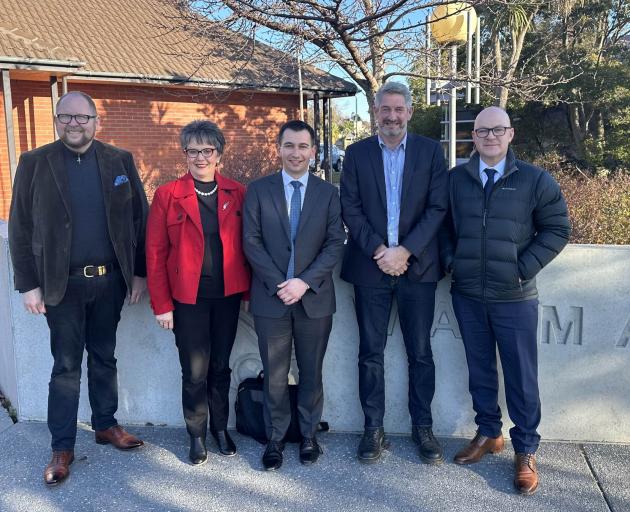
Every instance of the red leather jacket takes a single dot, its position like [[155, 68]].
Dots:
[[175, 245]]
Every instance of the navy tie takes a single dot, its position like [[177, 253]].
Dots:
[[294, 220], [487, 189]]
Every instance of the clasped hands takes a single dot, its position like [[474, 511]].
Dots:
[[393, 261], [291, 290]]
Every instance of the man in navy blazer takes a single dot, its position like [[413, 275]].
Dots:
[[393, 199], [293, 237]]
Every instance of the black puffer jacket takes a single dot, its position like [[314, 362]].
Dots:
[[495, 251]]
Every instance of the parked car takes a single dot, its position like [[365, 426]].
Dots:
[[337, 158]]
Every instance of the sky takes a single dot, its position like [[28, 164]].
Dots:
[[347, 106]]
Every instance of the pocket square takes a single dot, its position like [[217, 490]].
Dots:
[[119, 180]]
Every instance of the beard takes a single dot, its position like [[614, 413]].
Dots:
[[392, 130], [76, 139]]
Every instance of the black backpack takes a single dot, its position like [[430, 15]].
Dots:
[[249, 412]]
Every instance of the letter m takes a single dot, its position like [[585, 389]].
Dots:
[[552, 328]]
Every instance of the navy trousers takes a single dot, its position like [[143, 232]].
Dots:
[[510, 326], [416, 304]]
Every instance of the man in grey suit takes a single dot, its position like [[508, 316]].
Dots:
[[292, 237]]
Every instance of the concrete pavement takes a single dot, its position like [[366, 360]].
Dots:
[[574, 477]]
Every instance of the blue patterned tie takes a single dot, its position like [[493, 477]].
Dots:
[[294, 220], [489, 183]]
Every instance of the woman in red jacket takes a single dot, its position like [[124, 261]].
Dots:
[[197, 275]]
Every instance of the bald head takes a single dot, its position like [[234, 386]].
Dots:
[[492, 115], [492, 135]]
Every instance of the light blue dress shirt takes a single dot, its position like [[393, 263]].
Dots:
[[289, 190], [500, 168], [393, 166]]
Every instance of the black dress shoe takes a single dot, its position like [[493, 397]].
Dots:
[[371, 445], [429, 449], [309, 450], [224, 442], [272, 458], [198, 453]]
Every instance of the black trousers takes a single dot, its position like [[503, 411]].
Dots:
[[86, 318], [276, 337], [204, 334], [416, 303], [512, 327]]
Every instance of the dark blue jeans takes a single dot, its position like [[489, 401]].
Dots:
[[86, 318], [416, 303], [512, 327]]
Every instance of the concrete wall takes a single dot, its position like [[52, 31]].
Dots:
[[584, 356], [8, 376]]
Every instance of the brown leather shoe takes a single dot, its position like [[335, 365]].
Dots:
[[117, 436], [478, 447], [525, 473], [58, 468]]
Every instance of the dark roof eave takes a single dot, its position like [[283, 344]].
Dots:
[[179, 80], [27, 63]]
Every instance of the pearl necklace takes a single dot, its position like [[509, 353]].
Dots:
[[206, 194]]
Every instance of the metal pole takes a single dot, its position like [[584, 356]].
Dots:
[[299, 62], [469, 50], [8, 122], [438, 87], [356, 117], [478, 60], [64, 85], [452, 110], [428, 63]]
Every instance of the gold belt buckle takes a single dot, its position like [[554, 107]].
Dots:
[[100, 270]]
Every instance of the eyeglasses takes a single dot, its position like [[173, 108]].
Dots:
[[194, 153], [79, 118], [497, 131]]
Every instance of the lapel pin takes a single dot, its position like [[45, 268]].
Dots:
[[225, 205]]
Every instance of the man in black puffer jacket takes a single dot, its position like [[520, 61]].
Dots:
[[507, 220]]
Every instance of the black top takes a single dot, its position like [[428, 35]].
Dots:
[[211, 283], [91, 243], [495, 249]]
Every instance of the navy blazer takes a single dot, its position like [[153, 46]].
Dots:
[[364, 208], [267, 244]]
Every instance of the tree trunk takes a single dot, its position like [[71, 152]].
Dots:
[[577, 130]]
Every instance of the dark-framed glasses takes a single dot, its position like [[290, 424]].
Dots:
[[79, 118], [194, 153], [497, 131]]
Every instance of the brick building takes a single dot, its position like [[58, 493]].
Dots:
[[149, 73]]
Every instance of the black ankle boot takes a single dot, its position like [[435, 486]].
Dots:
[[198, 453], [429, 449], [224, 442], [371, 445]]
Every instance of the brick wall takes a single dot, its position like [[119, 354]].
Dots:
[[147, 121]]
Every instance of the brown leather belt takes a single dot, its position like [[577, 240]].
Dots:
[[93, 270]]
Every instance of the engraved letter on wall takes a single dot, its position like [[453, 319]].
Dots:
[[551, 327], [624, 340]]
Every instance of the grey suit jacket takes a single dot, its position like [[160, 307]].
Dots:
[[267, 244]]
